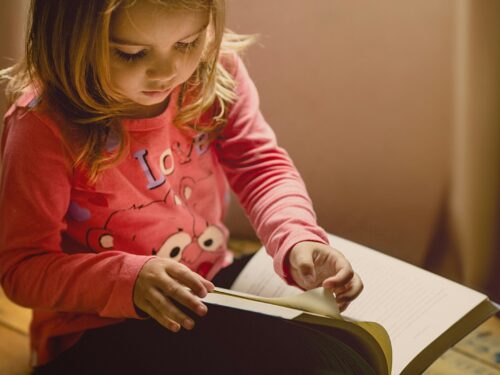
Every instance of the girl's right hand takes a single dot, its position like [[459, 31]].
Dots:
[[161, 280]]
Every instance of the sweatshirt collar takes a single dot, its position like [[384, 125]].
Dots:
[[159, 121]]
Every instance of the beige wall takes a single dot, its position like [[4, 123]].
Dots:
[[475, 197]]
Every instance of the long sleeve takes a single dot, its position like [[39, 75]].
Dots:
[[34, 201], [264, 178]]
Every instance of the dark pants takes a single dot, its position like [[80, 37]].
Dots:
[[225, 341]]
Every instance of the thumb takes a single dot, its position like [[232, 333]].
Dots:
[[305, 265]]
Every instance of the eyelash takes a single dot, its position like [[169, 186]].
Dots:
[[131, 57], [186, 47]]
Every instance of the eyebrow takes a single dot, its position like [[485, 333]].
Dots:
[[133, 43]]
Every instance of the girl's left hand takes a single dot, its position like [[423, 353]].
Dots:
[[313, 264]]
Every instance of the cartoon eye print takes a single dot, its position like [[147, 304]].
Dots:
[[201, 143], [187, 192], [211, 238], [174, 246], [106, 241]]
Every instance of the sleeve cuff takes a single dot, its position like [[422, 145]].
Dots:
[[121, 301]]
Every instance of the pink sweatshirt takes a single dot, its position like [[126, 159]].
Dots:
[[72, 251]]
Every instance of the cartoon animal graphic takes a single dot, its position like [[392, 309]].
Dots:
[[184, 235]]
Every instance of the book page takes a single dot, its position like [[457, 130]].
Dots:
[[251, 305], [317, 301], [414, 306], [258, 278]]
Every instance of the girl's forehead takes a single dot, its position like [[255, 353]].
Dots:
[[151, 23]]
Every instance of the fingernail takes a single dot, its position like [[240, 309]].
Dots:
[[202, 310], [188, 324]]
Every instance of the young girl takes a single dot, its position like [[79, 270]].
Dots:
[[130, 120]]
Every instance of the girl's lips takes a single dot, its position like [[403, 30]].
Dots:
[[156, 93]]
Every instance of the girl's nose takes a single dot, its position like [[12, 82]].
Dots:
[[164, 70]]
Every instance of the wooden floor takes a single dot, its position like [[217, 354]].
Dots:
[[14, 341], [478, 353]]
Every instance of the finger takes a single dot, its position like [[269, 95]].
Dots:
[[303, 263], [208, 284], [343, 306], [168, 310], [160, 318], [342, 277], [341, 290], [349, 296], [190, 279], [181, 294], [353, 292]]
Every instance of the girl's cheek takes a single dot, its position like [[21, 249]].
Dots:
[[124, 79], [123, 71], [126, 68]]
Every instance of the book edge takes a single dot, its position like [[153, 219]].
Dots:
[[456, 332], [364, 336]]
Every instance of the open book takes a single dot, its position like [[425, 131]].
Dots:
[[404, 319]]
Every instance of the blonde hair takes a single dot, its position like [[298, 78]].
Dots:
[[67, 55]]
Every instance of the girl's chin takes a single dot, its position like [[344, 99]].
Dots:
[[149, 109], [150, 101]]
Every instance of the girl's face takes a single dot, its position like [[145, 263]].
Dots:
[[153, 50]]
